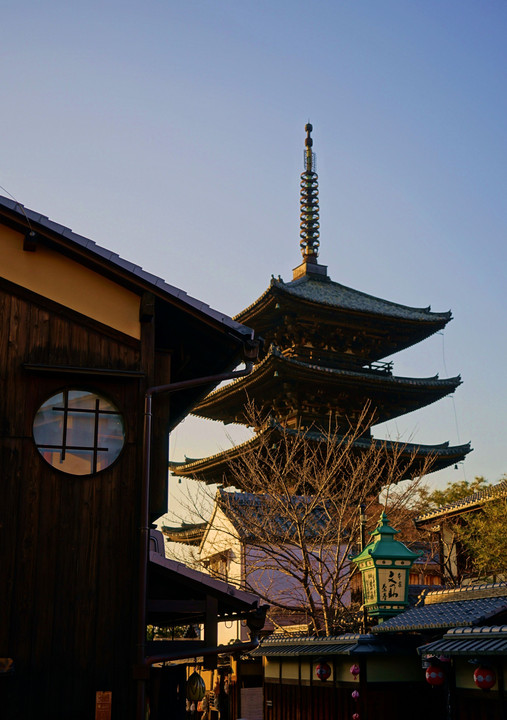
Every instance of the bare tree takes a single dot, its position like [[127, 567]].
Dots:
[[288, 533]]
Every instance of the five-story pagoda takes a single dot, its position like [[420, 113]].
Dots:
[[323, 361]]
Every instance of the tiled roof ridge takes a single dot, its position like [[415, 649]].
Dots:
[[466, 592], [482, 630], [490, 493], [184, 527], [306, 279], [125, 265], [325, 640]]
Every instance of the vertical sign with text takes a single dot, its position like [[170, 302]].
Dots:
[[103, 702]]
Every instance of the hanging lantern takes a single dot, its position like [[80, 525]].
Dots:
[[385, 564], [355, 716], [484, 677], [196, 689], [435, 675], [355, 670], [355, 695], [323, 671]]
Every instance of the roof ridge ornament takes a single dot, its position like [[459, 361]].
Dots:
[[309, 203]]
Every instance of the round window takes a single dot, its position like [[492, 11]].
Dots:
[[78, 432]]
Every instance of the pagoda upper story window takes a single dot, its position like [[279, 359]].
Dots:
[[79, 432]]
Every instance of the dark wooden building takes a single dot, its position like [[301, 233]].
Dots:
[[84, 335], [325, 360]]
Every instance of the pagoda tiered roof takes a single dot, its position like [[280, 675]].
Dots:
[[411, 456], [367, 326], [324, 343], [282, 383]]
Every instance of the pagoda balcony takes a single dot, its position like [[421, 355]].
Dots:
[[333, 359]]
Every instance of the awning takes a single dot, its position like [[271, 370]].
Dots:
[[442, 615], [178, 594], [348, 644], [490, 640]]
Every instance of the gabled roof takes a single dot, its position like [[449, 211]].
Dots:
[[179, 318], [270, 509], [462, 607], [466, 504], [89, 249]]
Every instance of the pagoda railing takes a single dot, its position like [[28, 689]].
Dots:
[[386, 368]]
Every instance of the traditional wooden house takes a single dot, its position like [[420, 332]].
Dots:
[[440, 524], [251, 541], [325, 360], [99, 360], [429, 661]]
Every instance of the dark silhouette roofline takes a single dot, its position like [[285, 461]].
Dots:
[[37, 221]]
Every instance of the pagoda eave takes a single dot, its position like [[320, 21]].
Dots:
[[290, 383], [399, 327], [411, 458], [187, 534]]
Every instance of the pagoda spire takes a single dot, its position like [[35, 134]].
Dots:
[[309, 203]]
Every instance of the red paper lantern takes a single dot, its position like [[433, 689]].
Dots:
[[435, 675], [354, 670], [484, 677], [323, 671]]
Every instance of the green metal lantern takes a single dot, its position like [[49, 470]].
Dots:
[[385, 565]]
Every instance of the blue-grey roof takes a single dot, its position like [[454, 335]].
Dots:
[[346, 644], [461, 607], [467, 503], [274, 646], [279, 512], [326, 292], [487, 640], [135, 271]]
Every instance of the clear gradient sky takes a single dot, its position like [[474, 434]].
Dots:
[[172, 133]]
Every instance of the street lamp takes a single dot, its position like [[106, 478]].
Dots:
[[385, 564]]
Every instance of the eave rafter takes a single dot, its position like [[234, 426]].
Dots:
[[291, 384], [411, 457], [384, 328]]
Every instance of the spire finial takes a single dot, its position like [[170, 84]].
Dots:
[[309, 203]]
